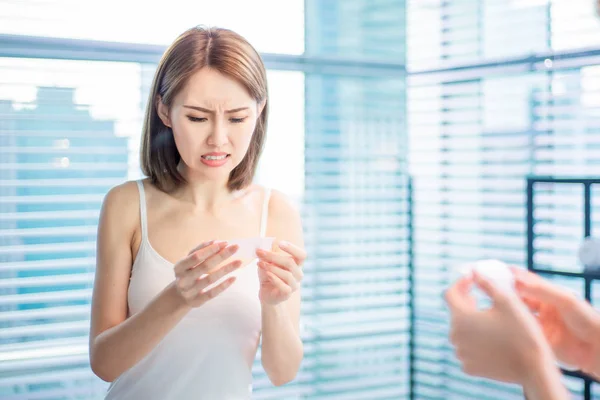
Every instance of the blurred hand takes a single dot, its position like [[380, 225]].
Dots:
[[504, 342], [571, 325]]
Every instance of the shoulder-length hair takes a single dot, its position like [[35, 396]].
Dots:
[[197, 48]]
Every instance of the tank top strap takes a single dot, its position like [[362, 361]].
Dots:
[[265, 213], [143, 217]]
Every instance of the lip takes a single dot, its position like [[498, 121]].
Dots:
[[214, 163]]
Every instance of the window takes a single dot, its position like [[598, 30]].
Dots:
[[135, 21], [497, 90], [337, 126], [64, 142]]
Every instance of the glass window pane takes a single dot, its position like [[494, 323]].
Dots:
[[158, 23], [65, 139], [372, 30], [64, 142]]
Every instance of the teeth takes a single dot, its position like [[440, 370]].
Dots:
[[215, 157]]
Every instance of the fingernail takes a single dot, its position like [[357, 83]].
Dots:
[[283, 243], [221, 243], [260, 252]]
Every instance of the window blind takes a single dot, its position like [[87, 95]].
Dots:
[[356, 204], [345, 133], [497, 90], [59, 157], [57, 160]]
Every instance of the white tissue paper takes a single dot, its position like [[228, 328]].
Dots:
[[248, 246], [246, 253]]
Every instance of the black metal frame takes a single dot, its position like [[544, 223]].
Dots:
[[411, 292], [587, 276]]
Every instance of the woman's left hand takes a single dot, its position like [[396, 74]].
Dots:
[[280, 273]]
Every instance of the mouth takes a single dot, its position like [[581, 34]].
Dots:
[[215, 157]]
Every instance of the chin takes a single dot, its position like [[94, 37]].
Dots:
[[213, 173]]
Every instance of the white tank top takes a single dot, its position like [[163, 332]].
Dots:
[[210, 352]]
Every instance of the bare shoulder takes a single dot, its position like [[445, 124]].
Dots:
[[122, 193], [121, 204], [282, 206], [284, 220]]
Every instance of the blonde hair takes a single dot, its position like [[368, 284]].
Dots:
[[197, 48]]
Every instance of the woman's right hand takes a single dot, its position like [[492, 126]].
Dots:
[[571, 325], [197, 271], [503, 342]]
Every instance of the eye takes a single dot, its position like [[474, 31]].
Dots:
[[196, 119], [237, 120]]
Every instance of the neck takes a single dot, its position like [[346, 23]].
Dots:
[[204, 195]]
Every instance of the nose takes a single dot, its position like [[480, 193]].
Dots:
[[218, 135]]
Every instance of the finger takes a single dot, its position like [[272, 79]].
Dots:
[[579, 316], [285, 276], [198, 257], [213, 277], [281, 260], [517, 271], [298, 274], [292, 268], [488, 287], [191, 277], [535, 287], [534, 305], [522, 275], [213, 261], [201, 246], [280, 284], [213, 292], [298, 253], [458, 296]]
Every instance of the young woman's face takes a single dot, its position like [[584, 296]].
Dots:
[[213, 119]]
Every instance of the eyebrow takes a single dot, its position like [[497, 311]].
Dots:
[[206, 110]]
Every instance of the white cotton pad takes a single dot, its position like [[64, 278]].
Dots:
[[248, 246], [496, 271]]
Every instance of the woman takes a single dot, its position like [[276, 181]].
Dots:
[[170, 323], [520, 338]]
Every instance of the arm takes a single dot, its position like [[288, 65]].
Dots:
[[117, 342], [282, 349], [545, 382]]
